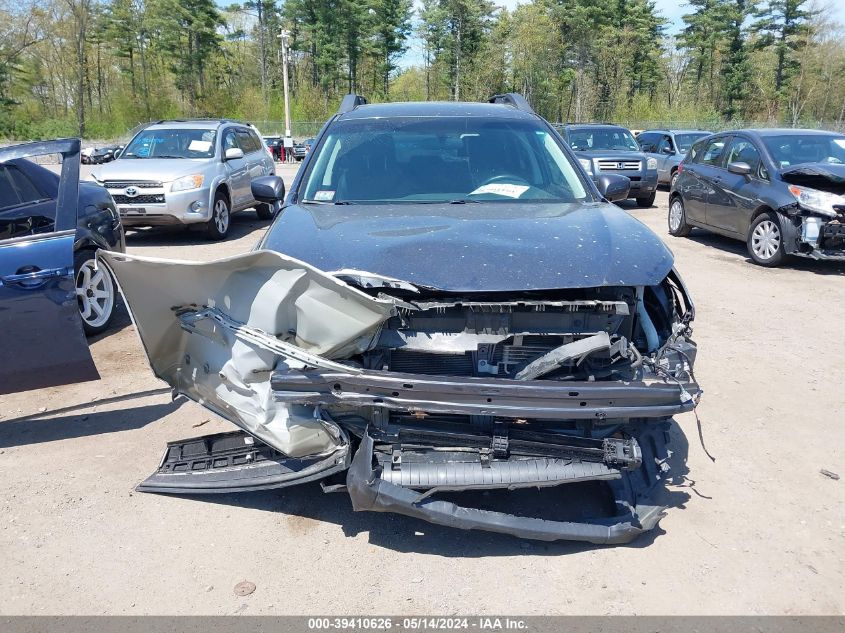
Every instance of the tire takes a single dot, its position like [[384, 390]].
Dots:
[[217, 228], [677, 218], [673, 179], [648, 202], [264, 211], [96, 293], [765, 241]]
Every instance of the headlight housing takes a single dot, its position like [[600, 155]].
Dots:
[[587, 164], [185, 183], [818, 201], [651, 163]]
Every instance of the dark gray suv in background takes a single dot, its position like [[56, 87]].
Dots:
[[780, 191], [611, 149]]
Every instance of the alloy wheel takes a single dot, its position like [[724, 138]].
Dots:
[[221, 216], [94, 293]]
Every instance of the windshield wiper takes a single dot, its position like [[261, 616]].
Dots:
[[463, 201], [167, 156]]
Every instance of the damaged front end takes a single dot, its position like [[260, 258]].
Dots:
[[418, 393], [816, 225]]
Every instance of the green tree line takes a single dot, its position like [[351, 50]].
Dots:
[[99, 67]]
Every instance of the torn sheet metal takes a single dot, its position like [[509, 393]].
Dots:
[[227, 369]]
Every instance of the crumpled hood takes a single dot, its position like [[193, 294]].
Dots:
[[477, 247], [163, 169], [828, 177]]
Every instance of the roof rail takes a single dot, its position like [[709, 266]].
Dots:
[[350, 102], [512, 99]]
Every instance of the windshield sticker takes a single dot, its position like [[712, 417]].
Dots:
[[324, 195], [501, 189], [199, 146]]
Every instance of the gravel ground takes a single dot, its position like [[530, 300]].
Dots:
[[760, 531]]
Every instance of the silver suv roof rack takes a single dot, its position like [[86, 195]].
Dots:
[[350, 102], [512, 99]]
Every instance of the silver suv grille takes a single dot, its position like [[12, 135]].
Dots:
[[140, 184], [619, 165]]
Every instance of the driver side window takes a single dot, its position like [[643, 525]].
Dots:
[[664, 143], [229, 140], [743, 151]]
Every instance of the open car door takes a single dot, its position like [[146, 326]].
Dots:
[[42, 343]]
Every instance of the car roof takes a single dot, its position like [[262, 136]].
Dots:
[[788, 131], [674, 131], [593, 126], [194, 124], [435, 108]]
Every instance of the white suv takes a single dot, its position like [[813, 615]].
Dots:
[[188, 172]]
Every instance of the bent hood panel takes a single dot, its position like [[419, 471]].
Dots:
[[270, 293], [478, 247], [828, 177]]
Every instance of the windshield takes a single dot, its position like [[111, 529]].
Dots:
[[602, 138], [683, 142], [450, 159], [797, 149], [172, 143]]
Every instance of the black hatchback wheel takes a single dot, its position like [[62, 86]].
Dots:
[[765, 241]]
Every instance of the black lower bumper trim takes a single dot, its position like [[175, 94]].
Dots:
[[370, 492], [236, 462]]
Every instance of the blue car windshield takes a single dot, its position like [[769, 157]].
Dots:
[[602, 138], [436, 160], [171, 143]]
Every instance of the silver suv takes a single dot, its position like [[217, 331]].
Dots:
[[188, 172]]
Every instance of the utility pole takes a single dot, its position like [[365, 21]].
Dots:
[[288, 142]]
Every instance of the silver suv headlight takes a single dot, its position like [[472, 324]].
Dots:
[[587, 164], [185, 183], [651, 163]]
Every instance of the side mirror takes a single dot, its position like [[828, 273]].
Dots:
[[232, 153], [739, 168], [268, 189], [613, 187], [668, 150]]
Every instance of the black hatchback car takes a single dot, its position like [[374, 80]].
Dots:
[[446, 303], [782, 191]]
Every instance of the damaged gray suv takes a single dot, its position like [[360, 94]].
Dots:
[[446, 303]]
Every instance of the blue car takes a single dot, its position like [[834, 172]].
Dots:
[[41, 335]]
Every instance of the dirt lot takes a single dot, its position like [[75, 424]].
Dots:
[[760, 531]]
